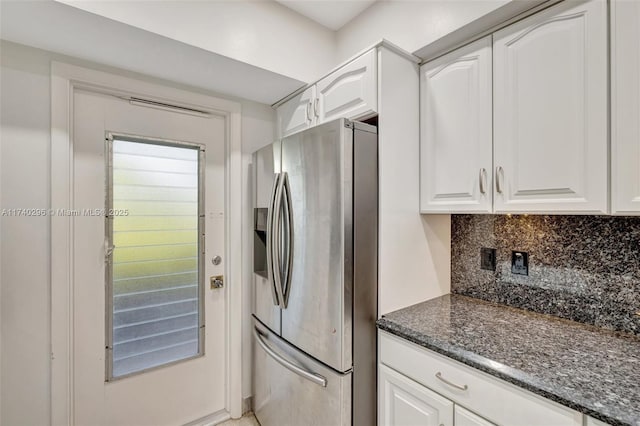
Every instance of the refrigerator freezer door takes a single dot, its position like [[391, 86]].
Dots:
[[318, 315], [266, 166], [284, 397]]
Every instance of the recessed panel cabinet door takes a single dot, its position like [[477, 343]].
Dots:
[[456, 131], [625, 107], [404, 402], [349, 92], [296, 114], [467, 418], [550, 111]]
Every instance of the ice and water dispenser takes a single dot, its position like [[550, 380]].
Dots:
[[260, 241]]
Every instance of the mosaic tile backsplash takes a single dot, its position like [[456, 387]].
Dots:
[[583, 268]]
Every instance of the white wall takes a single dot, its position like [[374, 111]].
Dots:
[[24, 143], [414, 250], [24, 183], [259, 32], [258, 131], [409, 24], [57, 27]]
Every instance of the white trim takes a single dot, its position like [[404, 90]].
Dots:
[[65, 79], [211, 420]]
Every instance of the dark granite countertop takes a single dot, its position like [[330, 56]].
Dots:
[[589, 369]]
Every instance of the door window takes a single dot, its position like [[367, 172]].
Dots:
[[154, 235]]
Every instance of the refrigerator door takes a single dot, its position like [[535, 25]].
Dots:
[[288, 386], [266, 168], [318, 315]]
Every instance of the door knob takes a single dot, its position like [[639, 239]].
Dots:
[[217, 281]]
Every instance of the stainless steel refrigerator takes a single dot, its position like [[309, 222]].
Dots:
[[315, 277]]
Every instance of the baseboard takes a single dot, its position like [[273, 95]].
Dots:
[[211, 419], [247, 405]]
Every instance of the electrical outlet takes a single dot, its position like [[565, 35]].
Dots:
[[520, 262], [488, 258]]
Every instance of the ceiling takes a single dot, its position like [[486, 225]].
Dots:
[[70, 31], [333, 14]]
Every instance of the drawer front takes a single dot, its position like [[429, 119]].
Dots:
[[491, 398]]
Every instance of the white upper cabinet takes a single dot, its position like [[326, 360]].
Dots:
[[296, 113], [404, 402], [350, 92], [625, 107], [550, 111], [456, 131]]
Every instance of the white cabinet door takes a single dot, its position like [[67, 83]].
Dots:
[[625, 107], [550, 111], [296, 114], [456, 131], [403, 402], [464, 417], [349, 92]]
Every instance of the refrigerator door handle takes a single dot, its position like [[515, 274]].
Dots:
[[284, 291], [313, 377], [276, 239], [270, 237]]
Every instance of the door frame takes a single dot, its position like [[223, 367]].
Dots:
[[65, 80]]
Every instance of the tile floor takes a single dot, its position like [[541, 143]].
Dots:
[[247, 420]]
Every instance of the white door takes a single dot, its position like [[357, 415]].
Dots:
[[625, 107], [550, 111], [403, 402], [296, 114], [164, 363], [456, 151], [351, 91]]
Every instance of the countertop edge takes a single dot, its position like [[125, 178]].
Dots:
[[481, 363]]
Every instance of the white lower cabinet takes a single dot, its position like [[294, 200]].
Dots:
[[404, 402], [417, 385], [464, 417]]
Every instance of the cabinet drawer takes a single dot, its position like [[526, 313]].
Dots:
[[493, 399]]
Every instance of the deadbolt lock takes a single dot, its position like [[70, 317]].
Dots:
[[217, 281]]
